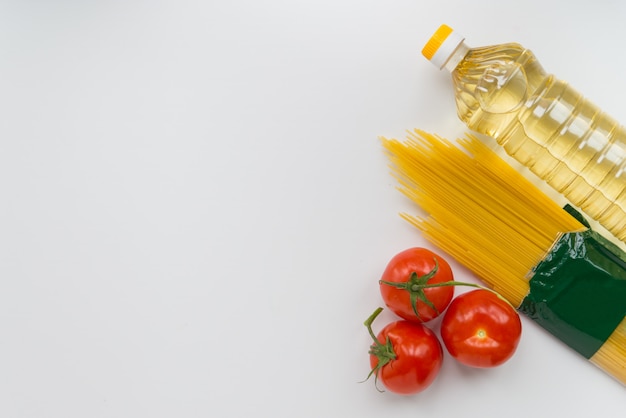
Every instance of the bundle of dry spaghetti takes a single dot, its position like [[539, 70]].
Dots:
[[544, 259]]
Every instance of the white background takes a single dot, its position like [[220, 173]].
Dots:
[[195, 208]]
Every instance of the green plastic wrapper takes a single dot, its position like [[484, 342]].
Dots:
[[578, 291]]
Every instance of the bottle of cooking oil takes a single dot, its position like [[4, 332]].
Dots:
[[502, 91]]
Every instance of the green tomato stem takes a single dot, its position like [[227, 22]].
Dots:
[[383, 352], [368, 323], [454, 283], [415, 285], [477, 286]]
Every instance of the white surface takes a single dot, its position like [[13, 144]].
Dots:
[[196, 209]]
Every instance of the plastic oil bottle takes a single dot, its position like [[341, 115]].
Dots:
[[502, 91]]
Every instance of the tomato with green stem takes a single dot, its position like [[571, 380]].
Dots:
[[481, 329], [405, 356], [411, 284]]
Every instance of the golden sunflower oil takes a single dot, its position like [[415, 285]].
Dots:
[[503, 91]]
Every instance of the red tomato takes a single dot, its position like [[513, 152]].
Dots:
[[480, 329], [401, 285], [406, 356]]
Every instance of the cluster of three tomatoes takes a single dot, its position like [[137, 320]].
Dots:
[[479, 328]]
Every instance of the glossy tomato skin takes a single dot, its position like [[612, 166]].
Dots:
[[480, 329], [419, 356], [399, 270]]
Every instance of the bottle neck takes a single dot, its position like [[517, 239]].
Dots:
[[456, 57]]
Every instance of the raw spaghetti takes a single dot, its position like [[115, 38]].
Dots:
[[489, 217]]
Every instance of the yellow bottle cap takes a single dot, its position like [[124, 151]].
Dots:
[[435, 41], [440, 47]]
